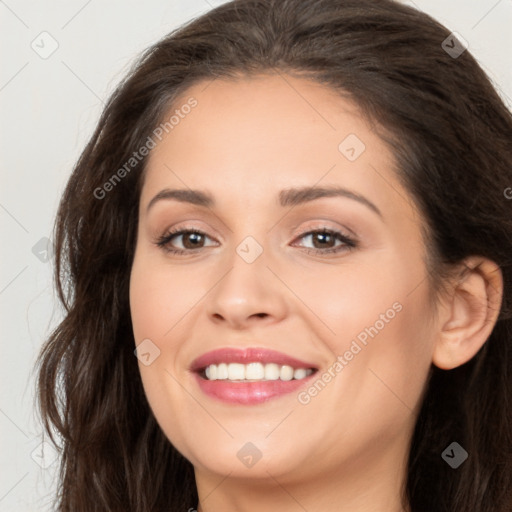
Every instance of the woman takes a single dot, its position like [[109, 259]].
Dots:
[[295, 214]]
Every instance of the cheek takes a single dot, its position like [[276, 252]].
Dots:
[[354, 297], [160, 296], [147, 305], [157, 305], [375, 315]]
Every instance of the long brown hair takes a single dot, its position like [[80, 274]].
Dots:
[[451, 135]]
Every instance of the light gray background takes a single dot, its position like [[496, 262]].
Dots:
[[49, 108]]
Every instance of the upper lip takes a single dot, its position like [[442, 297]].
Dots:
[[245, 356]]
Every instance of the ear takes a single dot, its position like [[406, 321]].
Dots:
[[470, 314]]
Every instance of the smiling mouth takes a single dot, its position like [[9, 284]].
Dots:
[[253, 372]]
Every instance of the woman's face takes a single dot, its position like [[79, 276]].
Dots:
[[262, 275]]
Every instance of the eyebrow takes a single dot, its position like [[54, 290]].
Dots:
[[287, 197]]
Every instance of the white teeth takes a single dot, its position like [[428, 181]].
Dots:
[[286, 373], [222, 371], [236, 371], [272, 371], [255, 372], [211, 372], [299, 373]]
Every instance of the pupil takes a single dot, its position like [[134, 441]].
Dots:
[[323, 236], [193, 235]]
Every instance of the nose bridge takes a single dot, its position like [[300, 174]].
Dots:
[[247, 276], [250, 236], [247, 289]]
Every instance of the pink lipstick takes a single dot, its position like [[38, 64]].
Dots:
[[250, 376]]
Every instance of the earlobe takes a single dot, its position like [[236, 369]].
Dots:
[[470, 314]]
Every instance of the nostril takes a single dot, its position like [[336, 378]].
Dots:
[[260, 315]]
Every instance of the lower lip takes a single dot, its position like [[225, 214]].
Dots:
[[249, 393]]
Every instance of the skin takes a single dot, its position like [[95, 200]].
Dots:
[[346, 449]]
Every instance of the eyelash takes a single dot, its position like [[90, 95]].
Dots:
[[349, 243]]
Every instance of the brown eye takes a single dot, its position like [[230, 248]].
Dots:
[[191, 239], [324, 240]]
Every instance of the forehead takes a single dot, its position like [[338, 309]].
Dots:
[[245, 136], [265, 112]]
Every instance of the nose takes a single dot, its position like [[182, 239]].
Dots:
[[247, 294]]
